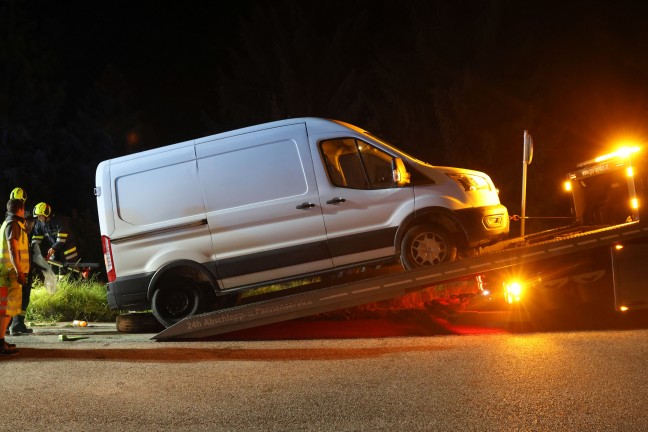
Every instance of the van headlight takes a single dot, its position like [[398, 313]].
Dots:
[[471, 182]]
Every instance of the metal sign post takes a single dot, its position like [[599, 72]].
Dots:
[[528, 156]]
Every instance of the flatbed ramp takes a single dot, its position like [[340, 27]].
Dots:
[[394, 285]]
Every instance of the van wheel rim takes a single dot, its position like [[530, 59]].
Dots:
[[177, 303], [428, 249]]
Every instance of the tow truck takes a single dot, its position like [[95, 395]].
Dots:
[[596, 263]]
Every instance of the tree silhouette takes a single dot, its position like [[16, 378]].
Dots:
[[54, 131]]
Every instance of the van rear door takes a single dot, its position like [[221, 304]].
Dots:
[[263, 208], [158, 211]]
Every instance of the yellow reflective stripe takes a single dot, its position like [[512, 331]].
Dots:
[[5, 262], [23, 250], [69, 251]]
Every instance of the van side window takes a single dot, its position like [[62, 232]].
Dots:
[[355, 164]]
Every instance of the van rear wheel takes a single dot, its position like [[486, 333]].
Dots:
[[426, 245], [176, 299]]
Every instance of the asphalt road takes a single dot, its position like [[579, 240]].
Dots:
[[561, 381]]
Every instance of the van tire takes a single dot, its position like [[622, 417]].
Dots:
[[425, 245], [177, 299]]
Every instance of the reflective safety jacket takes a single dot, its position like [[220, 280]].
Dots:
[[13, 227], [57, 235]]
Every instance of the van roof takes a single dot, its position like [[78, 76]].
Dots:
[[315, 125]]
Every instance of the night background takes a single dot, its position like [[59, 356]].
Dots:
[[451, 82]]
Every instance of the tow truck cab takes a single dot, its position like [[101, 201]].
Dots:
[[607, 191]]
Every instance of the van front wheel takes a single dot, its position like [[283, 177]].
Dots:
[[426, 245], [178, 298]]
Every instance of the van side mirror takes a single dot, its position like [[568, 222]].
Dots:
[[401, 176]]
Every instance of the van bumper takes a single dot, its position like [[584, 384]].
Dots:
[[484, 225], [129, 293]]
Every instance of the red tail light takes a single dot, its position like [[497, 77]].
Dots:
[[108, 258]]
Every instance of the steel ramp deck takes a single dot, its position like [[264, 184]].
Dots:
[[389, 286]]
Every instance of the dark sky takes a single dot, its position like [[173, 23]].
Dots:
[[168, 55], [591, 53], [591, 56], [454, 82]]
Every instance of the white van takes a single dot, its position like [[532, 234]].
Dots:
[[187, 225]]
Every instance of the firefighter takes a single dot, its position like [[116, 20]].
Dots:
[[17, 325], [55, 230], [14, 267]]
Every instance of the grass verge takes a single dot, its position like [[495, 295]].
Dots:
[[74, 299]]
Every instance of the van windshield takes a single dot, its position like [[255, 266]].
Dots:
[[397, 150]]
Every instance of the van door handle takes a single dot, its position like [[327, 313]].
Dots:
[[305, 205], [336, 200]]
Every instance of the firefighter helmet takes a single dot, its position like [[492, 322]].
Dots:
[[42, 209], [19, 194]]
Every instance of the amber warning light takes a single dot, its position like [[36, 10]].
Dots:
[[567, 186], [623, 152], [513, 292]]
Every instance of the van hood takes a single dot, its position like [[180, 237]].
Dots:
[[476, 186], [440, 173]]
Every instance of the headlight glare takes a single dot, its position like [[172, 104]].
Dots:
[[471, 182]]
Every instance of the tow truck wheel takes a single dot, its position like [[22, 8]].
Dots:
[[426, 245], [175, 299]]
